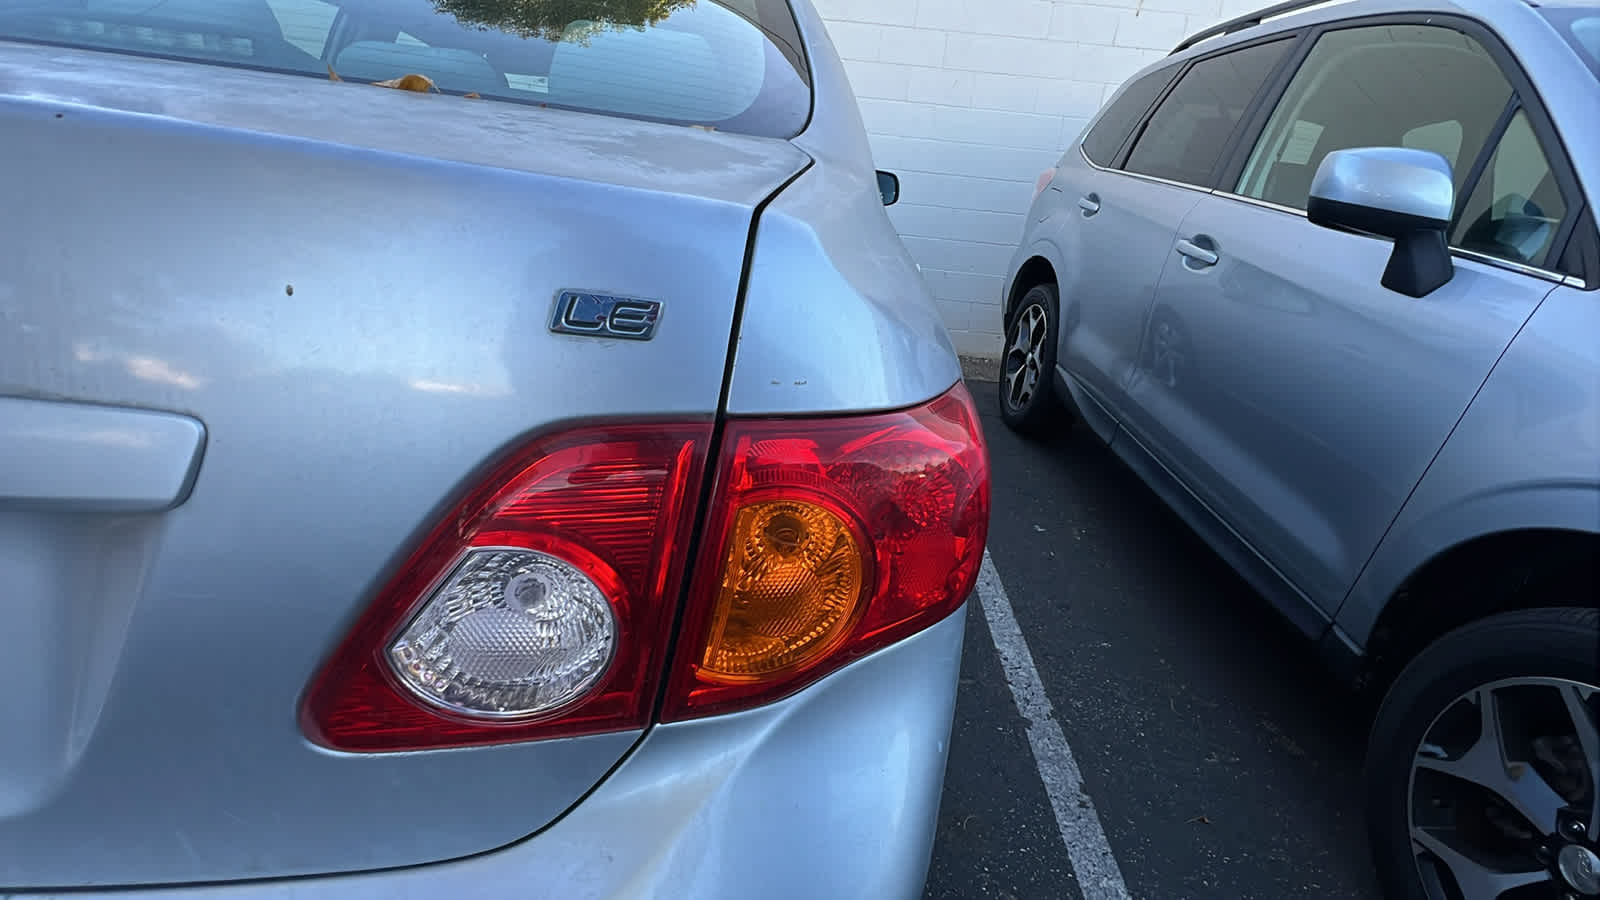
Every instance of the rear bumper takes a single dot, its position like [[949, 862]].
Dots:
[[833, 792]]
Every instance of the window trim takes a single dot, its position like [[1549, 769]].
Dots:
[[1510, 265], [1232, 164], [1119, 162], [1558, 244], [1491, 145], [1583, 246], [1172, 73], [1126, 147], [1524, 96], [1153, 179]]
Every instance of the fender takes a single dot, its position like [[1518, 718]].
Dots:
[[1551, 506], [1042, 248], [1523, 457]]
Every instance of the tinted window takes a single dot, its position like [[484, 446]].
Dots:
[[1516, 207], [732, 64], [1117, 122], [1419, 86], [1189, 130]]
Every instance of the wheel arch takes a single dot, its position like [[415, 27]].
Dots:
[[1476, 577], [1038, 269]]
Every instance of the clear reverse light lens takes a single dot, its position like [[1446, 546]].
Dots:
[[512, 633]]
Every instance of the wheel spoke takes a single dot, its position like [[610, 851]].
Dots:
[[1477, 881], [1588, 733], [1019, 339], [1016, 385], [1485, 764], [1036, 329]]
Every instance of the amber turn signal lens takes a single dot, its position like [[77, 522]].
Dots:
[[793, 580]]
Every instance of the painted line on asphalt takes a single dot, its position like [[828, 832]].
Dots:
[[1099, 878]]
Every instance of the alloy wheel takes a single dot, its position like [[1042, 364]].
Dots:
[[1022, 367], [1504, 794]]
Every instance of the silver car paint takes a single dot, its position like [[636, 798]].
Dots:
[[1397, 179], [830, 793], [76, 458], [1284, 411], [1405, 370], [1131, 226], [1527, 455], [799, 354], [342, 119], [420, 294], [311, 269], [836, 314]]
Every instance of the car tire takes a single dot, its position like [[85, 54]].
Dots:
[[1535, 667], [1028, 403]]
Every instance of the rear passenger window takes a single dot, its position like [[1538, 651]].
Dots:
[[1189, 130], [1117, 122]]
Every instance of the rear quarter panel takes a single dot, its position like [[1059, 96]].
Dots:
[[836, 316]]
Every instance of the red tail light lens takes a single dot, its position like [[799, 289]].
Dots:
[[541, 606], [828, 539], [538, 609]]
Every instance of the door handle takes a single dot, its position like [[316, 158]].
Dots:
[[1197, 253], [1090, 204]]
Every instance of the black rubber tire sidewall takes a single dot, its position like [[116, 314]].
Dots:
[[1042, 411], [1554, 643]]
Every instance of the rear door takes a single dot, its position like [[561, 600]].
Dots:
[[1289, 390], [1120, 218]]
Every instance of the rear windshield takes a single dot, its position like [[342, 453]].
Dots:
[[735, 65], [1581, 27]]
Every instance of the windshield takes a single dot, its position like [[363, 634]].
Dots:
[[734, 65], [1580, 25]]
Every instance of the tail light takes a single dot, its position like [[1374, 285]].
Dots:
[[536, 610], [542, 606], [828, 539]]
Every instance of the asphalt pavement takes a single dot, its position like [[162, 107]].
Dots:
[[1220, 760]]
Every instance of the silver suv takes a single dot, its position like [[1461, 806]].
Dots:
[[1325, 278]]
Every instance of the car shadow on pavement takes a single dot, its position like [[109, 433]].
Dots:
[[1223, 759]]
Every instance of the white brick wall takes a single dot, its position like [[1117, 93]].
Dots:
[[969, 100]]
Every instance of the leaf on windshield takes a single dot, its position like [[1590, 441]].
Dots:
[[472, 95], [413, 82], [421, 84]]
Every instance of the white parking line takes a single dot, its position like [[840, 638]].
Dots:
[[1099, 878]]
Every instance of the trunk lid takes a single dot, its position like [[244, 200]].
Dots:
[[330, 305]]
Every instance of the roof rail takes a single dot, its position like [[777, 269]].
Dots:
[[1249, 20]]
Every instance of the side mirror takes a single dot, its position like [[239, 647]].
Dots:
[[1407, 195], [888, 187]]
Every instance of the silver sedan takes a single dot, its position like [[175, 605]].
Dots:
[[457, 448]]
